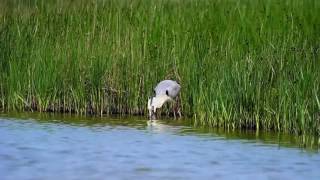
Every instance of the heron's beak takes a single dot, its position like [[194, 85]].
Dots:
[[152, 109]]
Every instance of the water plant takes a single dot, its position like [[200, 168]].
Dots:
[[241, 64]]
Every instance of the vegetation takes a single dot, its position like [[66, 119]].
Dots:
[[241, 64]]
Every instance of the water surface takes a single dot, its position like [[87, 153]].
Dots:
[[35, 146]]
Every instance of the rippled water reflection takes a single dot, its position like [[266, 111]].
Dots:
[[34, 146]]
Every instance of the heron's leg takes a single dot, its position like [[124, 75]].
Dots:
[[153, 114], [167, 109], [177, 108]]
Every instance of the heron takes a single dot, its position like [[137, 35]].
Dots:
[[165, 91]]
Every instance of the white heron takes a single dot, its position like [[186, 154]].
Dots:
[[165, 91]]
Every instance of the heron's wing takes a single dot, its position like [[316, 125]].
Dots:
[[172, 87], [174, 90]]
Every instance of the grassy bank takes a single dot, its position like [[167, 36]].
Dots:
[[241, 64]]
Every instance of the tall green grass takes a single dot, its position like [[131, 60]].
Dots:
[[241, 64]]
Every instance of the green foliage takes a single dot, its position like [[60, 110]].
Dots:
[[241, 64]]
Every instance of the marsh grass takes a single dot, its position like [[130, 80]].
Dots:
[[241, 64]]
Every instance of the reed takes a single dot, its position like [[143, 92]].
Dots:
[[241, 64]]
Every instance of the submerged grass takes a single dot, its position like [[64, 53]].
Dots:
[[241, 64]]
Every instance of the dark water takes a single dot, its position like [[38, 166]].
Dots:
[[34, 146]]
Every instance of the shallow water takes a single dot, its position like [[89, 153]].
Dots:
[[35, 146]]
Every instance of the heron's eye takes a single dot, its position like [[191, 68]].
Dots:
[[167, 93]]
